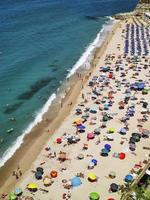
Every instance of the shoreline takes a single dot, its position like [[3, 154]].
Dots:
[[34, 138]]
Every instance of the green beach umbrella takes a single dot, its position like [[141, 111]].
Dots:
[[94, 196], [12, 196], [145, 91]]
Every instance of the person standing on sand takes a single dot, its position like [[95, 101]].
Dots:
[[19, 171], [82, 96]]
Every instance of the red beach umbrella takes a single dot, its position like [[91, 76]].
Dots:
[[110, 75], [122, 156], [59, 140]]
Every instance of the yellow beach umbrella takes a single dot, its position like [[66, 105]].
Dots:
[[111, 130], [92, 176], [32, 186], [77, 121]]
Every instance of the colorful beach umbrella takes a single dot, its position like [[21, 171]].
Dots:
[[59, 140], [47, 181], [123, 131], [111, 130], [94, 196], [32, 186], [94, 161], [122, 156], [18, 191], [114, 187], [128, 178], [54, 174], [92, 176], [12, 196], [76, 181], [107, 146], [105, 151], [90, 135]]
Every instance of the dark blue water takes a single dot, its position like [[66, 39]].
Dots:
[[39, 42]]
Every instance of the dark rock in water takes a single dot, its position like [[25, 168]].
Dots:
[[35, 88], [92, 17], [11, 108]]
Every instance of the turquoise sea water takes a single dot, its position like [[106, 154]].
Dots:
[[39, 42]]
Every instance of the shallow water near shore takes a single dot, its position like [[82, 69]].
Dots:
[[40, 43]]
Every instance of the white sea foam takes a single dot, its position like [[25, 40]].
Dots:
[[16, 144], [86, 57]]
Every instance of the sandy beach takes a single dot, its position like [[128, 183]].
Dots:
[[42, 149]]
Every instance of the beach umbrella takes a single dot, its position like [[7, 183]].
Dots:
[[40, 169], [111, 130], [106, 107], [132, 140], [81, 127], [38, 175], [12, 196], [94, 196], [132, 146], [76, 181], [59, 140], [92, 176], [32, 187], [122, 156], [94, 161], [104, 152], [18, 191], [145, 91], [123, 131], [105, 118], [90, 135], [136, 138], [97, 131], [145, 133], [78, 121], [141, 86], [47, 181], [114, 187], [128, 178], [107, 146], [54, 174], [93, 110], [109, 137], [91, 165], [80, 156]]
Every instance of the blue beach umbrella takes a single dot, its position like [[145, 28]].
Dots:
[[94, 161], [107, 147], [81, 127], [123, 131], [128, 178], [18, 191], [104, 151], [76, 181]]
